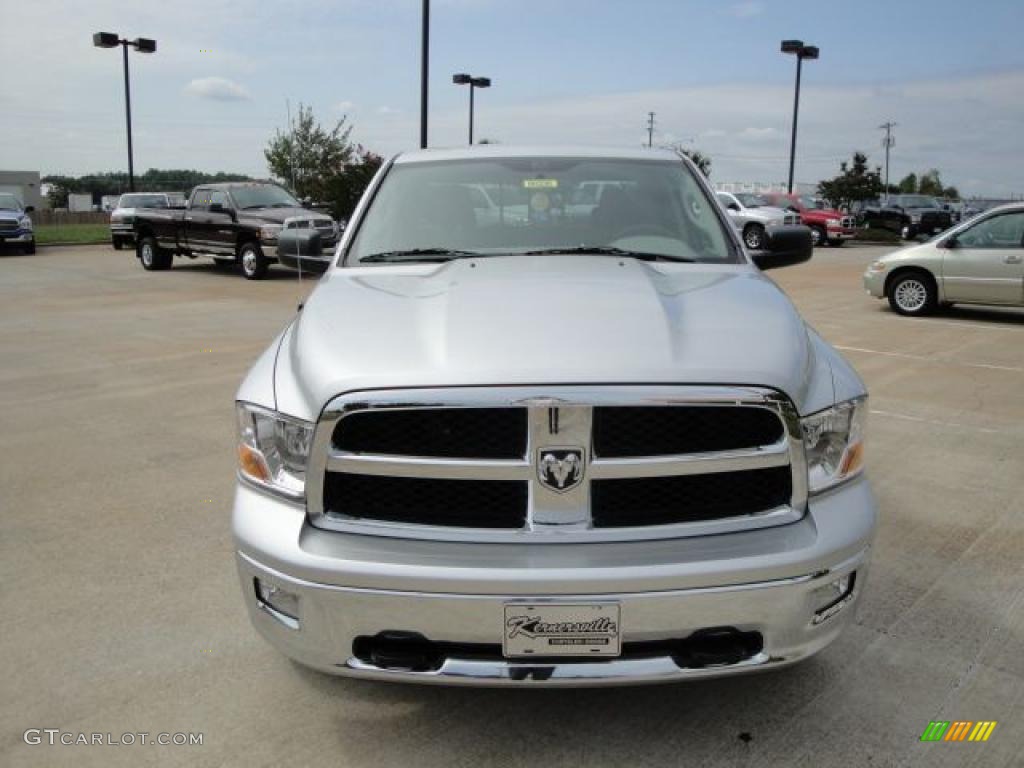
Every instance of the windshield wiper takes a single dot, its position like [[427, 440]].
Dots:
[[420, 254], [606, 250]]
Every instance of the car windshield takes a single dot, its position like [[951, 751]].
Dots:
[[9, 203], [917, 201], [263, 196], [752, 201], [813, 203], [142, 201], [448, 209]]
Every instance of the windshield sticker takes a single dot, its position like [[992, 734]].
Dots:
[[540, 183]]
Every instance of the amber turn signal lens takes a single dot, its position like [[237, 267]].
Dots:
[[252, 463], [853, 460]]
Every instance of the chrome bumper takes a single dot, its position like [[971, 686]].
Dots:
[[350, 586]]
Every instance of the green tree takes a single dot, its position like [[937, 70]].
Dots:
[[908, 184], [854, 183], [702, 161], [344, 189], [308, 156]]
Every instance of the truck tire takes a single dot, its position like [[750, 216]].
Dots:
[[152, 256], [118, 245], [818, 235], [254, 263], [753, 237], [913, 293], [30, 248]]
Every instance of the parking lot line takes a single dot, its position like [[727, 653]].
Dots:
[[931, 359]]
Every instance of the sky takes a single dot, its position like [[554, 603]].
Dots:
[[950, 74]]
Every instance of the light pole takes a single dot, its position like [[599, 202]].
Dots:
[[801, 52], [142, 45], [473, 83], [888, 142], [424, 71]]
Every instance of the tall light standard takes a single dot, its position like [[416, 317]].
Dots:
[[473, 83], [424, 70], [801, 52], [142, 45]]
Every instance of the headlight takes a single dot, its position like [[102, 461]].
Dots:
[[915, 218], [25, 222], [834, 222], [877, 266], [834, 444], [273, 449], [269, 231]]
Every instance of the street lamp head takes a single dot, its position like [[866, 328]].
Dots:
[[792, 46], [482, 82], [462, 79], [106, 40], [809, 52], [144, 45]]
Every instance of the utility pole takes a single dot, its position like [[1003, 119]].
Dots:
[[424, 72], [650, 129], [888, 142]]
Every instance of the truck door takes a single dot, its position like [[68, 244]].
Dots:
[[197, 220], [221, 223], [986, 263]]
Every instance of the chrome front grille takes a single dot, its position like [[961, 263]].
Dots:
[[791, 219], [557, 463], [848, 222]]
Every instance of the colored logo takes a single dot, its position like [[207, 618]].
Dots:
[[958, 730]]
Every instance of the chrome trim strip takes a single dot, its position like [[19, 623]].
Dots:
[[550, 525], [454, 671]]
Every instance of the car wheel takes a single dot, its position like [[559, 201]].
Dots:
[[118, 245], [818, 236], [913, 293], [254, 263], [153, 257], [753, 237]]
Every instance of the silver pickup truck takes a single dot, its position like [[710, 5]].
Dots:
[[566, 447]]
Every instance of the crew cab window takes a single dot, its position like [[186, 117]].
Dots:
[[218, 197], [543, 203], [1005, 231], [200, 200]]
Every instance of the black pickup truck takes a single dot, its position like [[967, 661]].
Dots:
[[907, 215], [236, 223]]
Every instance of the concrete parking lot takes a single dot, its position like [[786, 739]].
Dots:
[[121, 607]]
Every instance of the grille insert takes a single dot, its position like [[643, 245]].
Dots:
[[427, 501], [688, 498], [457, 433], [623, 432]]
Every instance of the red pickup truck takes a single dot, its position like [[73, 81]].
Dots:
[[827, 224]]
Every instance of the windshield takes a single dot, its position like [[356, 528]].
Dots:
[[263, 196], [142, 201], [9, 202], [528, 204], [807, 201], [752, 201], [917, 201]]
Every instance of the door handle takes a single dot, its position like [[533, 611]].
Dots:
[[1012, 259]]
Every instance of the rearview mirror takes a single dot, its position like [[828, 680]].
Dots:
[[786, 246], [29, 208], [301, 249]]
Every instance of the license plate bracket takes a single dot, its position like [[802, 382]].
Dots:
[[533, 630]]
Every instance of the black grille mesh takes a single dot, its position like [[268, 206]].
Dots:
[[421, 501], [688, 498], [477, 433], [651, 431]]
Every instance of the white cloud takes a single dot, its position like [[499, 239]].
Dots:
[[386, 110], [747, 10], [344, 106], [758, 134], [217, 89]]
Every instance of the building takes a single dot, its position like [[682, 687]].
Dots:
[[764, 187], [24, 185]]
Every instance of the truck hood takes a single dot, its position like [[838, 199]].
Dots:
[[545, 320]]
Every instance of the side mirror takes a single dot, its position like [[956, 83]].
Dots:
[[951, 243], [29, 208], [307, 202], [733, 207], [301, 249], [786, 246], [219, 208]]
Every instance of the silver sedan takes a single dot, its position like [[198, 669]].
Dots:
[[981, 261]]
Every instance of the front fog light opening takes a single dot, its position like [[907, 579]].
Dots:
[[279, 603], [834, 596]]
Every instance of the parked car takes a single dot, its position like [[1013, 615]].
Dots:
[[908, 215], [15, 224], [828, 226], [980, 261], [122, 218], [235, 223], [583, 449], [754, 217]]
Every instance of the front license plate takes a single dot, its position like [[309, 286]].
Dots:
[[560, 629]]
